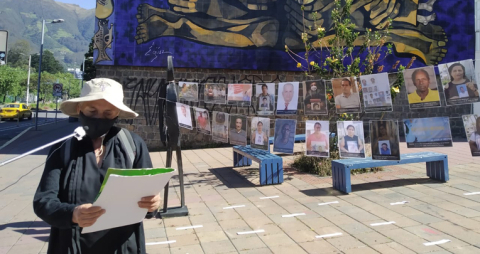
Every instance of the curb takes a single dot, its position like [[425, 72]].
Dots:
[[15, 138]]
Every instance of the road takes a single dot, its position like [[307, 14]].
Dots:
[[9, 129]]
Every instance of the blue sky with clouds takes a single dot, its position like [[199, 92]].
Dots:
[[87, 4]]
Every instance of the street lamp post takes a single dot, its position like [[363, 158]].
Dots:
[[40, 68], [28, 80]]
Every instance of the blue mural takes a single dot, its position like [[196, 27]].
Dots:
[[238, 34]]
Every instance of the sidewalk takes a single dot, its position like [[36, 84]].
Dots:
[[435, 211]]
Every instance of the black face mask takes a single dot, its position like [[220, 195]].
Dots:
[[96, 127]]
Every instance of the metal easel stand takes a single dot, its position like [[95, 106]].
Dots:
[[172, 131]]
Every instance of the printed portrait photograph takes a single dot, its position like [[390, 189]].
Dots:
[[239, 94], [385, 132], [260, 133], [203, 120], [384, 147], [287, 102], [284, 136], [317, 138], [459, 82], [238, 130], [220, 121], [422, 87], [184, 116], [188, 91], [472, 129], [347, 98], [376, 101], [315, 100], [351, 139], [428, 132], [215, 93], [265, 95]]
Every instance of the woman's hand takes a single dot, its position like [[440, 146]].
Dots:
[[86, 215], [151, 203], [471, 86]]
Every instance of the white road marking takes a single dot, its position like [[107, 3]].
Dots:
[[270, 197], [399, 203], [328, 203], [158, 243], [189, 227], [437, 242], [293, 215], [232, 207], [328, 235], [471, 193], [251, 232], [15, 138], [382, 223]]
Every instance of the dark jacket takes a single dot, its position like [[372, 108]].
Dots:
[[72, 177]]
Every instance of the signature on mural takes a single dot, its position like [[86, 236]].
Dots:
[[156, 51], [274, 24]]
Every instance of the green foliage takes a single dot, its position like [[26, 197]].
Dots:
[[10, 79], [49, 63], [323, 167], [68, 41], [330, 54], [18, 54]]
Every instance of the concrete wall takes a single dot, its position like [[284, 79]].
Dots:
[[141, 86]]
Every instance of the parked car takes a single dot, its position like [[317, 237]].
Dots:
[[16, 110]]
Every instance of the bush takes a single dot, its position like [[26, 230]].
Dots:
[[323, 166]]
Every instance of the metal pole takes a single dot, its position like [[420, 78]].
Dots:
[[28, 80], [56, 109], [476, 107], [39, 75], [83, 71]]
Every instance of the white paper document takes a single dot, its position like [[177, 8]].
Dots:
[[120, 196]]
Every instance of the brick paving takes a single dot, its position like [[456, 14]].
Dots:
[[435, 211]]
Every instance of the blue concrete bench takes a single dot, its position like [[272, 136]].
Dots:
[[437, 167], [271, 165]]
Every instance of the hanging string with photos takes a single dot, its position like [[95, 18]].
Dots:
[[374, 90]]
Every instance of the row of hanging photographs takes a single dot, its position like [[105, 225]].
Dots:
[[384, 135], [457, 80]]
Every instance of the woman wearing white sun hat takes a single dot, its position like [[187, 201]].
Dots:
[[75, 171]]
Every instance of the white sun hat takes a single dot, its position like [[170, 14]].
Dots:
[[98, 89]]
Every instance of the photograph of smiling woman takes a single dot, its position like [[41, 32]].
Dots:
[[459, 82]]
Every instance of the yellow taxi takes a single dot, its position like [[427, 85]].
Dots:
[[16, 110]]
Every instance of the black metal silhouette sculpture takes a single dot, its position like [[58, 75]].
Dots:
[[170, 136]]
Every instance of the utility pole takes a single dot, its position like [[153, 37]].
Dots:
[[28, 80]]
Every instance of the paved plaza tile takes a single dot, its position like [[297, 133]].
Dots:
[[302, 215]]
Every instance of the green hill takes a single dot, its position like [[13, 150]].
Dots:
[[68, 41]]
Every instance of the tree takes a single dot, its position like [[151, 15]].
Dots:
[[18, 54], [90, 69], [71, 86], [9, 80], [49, 63]]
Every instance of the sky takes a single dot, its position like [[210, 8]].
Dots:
[[87, 4]]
